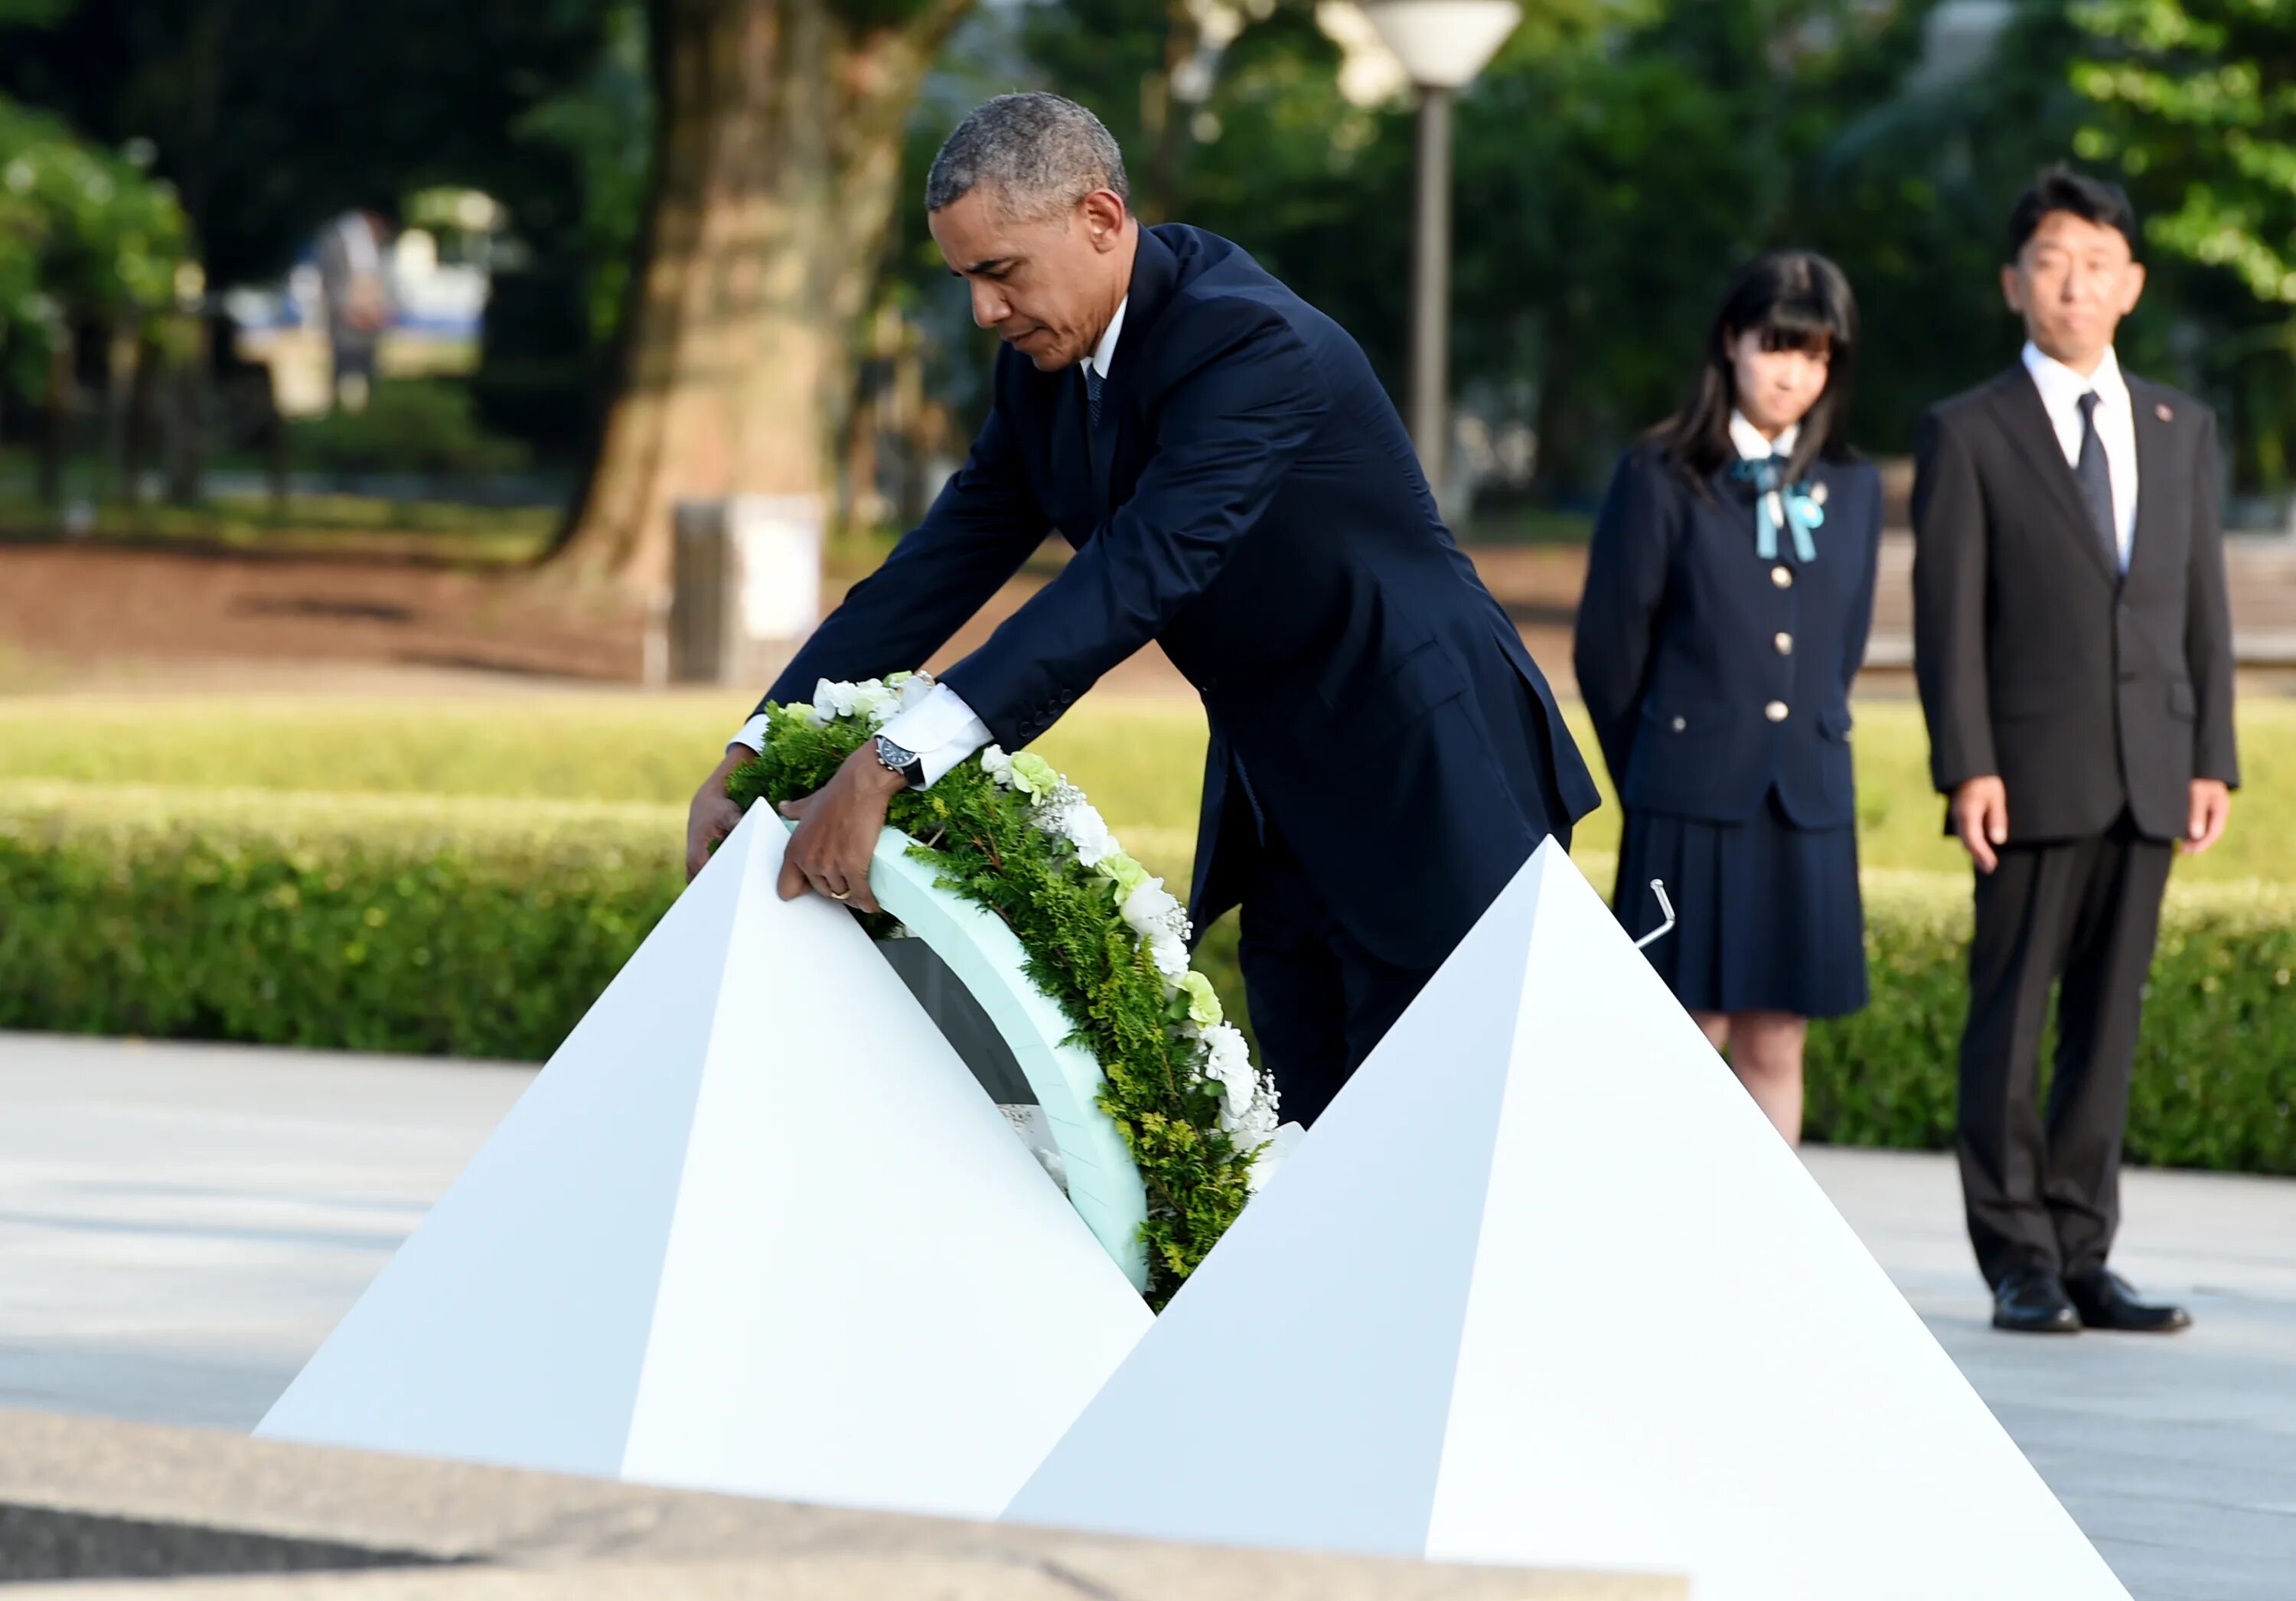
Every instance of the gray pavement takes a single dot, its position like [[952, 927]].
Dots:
[[180, 1225]]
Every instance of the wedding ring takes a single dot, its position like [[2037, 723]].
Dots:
[[840, 895]]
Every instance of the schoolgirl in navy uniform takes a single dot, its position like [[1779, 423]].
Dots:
[[1728, 594]]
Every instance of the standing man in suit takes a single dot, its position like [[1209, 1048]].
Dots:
[[2074, 652], [1238, 488]]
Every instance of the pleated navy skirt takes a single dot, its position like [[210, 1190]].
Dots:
[[1767, 915]]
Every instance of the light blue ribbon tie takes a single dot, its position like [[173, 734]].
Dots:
[[1772, 500]]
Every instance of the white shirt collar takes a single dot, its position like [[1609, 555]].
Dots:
[[2062, 388], [1753, 447], [1105, 351]]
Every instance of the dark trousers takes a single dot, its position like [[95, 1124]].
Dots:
[[1319, 1000], [2044, 1190]]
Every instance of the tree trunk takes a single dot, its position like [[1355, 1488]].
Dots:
[[775, 164], [140, 443], [1165, 115], [55, 437], [195, 408]]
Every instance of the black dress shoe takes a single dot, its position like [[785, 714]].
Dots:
[[2032, 1301], [2104, 1301]]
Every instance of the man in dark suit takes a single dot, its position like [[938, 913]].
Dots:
[[1238, 488], [2074, 652]]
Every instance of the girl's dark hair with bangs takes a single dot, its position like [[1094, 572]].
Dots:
[[1796, 300]]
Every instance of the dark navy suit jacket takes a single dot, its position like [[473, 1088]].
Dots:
[[1712, 676], [1253, 504]]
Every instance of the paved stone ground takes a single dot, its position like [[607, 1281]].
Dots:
[[180, 1225]]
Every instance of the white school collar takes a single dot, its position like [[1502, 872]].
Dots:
[[1753, 447]]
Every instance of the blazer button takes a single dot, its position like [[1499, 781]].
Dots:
[[1775, 712], [1784, 641], [1681, 723], [1783, 578]]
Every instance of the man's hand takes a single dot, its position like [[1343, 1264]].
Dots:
[[2211, 809], [713, 814], [1981, 816], [837, 831]]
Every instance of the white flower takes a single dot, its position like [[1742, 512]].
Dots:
[[874, 702], [1228, 1060], [1149, 910], [1077, 822], [913, 688], [1169, 954], [997, 766], [1254, 1126], [833, 700]]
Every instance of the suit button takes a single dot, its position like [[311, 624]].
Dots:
[[1681, 723], [1784, 641], [1783, 578], [1775, 712]]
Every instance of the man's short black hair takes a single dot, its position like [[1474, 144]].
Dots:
[[2057, 187]]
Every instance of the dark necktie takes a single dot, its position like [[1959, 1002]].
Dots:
[[1091, 382], [2095, 475]]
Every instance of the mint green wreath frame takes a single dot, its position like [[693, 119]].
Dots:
[[986, 958]]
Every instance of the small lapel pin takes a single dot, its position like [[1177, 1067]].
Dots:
[[2164, 413], [1817, 494]]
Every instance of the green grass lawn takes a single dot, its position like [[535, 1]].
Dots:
[[361, 526], [1139, 759]]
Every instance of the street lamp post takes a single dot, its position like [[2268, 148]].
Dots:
[[1442, 44]]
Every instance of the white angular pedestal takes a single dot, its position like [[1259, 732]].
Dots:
[[1544, 1287], [676, 1263]]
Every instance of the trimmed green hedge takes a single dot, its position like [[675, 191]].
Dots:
[[485, 928], [479, 928], [2215, 1083]]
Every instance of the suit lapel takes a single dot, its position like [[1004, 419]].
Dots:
[[2024, 418], [2155, 482], [1155, 278]]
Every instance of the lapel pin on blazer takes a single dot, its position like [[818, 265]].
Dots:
[[1817, 494], [2164, 413]]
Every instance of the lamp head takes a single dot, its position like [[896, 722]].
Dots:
[[1443, 44]]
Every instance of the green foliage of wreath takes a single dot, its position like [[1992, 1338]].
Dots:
[[985, 846]]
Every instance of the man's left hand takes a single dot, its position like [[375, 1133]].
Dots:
[[2210, 810], [837, 830]]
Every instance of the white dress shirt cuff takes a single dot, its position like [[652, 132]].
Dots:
[[752, 735], [941, 729]]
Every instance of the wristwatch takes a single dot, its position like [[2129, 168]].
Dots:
[[894, 759]]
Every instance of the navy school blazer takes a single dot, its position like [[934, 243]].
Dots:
[[1712, 676], [1253, 504]]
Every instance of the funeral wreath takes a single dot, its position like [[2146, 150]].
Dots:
[[1104, 940]]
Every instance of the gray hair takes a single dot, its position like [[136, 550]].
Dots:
[[1039, 153]]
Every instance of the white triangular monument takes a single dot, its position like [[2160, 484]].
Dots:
[[754, 1228], [1543, 1287]]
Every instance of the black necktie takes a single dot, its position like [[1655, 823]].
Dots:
[[1091, 382], [2095, 475]]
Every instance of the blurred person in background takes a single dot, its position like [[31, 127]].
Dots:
[[2073, 645], [355, 279], [1728, 593]]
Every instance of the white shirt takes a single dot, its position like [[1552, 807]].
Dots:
[[2061, 390], [941, 729], [1753, 447]]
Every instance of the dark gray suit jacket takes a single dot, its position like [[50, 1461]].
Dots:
[[2085, 690]]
